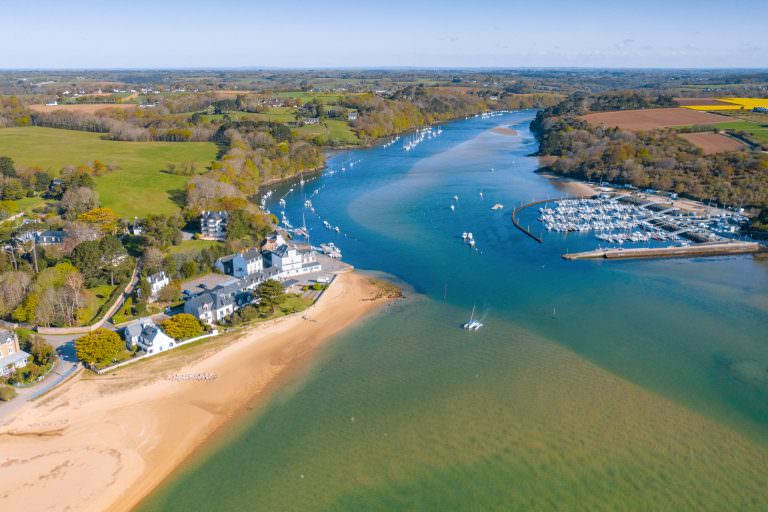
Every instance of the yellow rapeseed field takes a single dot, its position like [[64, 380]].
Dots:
[[735, 104]]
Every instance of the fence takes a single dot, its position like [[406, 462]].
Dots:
[[145, 356]]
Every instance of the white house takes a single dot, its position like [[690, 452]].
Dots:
[[290, 261], [157, 282], [241, 264], [11, 355], [145, 334], [213, 225], [352, 116]]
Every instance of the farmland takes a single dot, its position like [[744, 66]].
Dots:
[[652, 119], [716, 104], [138, 187], [712, 143], [87, 108], [759, 132]]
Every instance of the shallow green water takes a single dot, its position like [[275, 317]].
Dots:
[[647, 390]]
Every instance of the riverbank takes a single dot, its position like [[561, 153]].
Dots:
[[103, 443]]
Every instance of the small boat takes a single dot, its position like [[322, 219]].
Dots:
[[455, 198], [464, 235], [497, 206], [472, 243], [472, 324], [481, 195], [453, 207], [336, 229]]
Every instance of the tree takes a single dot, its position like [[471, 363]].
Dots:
[[170, 293], [41, 351], [13, 288], [188, 269], [7, 166], [99, 347], [153, 259], [182, 326], [103, 218], [271, 293], [78, 200]]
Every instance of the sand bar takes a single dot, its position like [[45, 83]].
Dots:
[[103, 443]]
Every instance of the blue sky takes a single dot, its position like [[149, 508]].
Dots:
[[476, 33]]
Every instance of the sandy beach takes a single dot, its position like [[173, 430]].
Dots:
[[571, 186], [103, 443]]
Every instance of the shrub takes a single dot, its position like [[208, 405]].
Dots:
[[100, 346], [6, 393], [182, 326]]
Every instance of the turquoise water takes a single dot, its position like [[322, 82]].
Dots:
[[408, 411]]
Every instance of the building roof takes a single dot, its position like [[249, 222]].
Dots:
[[216, 299], [14, 358], [214, 215], [6, 336], [136, 327], [157, 277], [281, 250]]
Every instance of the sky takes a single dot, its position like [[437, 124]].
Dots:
[[385, 33]]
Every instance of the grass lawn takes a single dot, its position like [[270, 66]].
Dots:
[[190, 246], [95, 299], [333, 130], [136, 189]]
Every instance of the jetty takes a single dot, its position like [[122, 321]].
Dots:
[[687, 251], [520, 208]]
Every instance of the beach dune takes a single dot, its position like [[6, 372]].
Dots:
[[103, 443]]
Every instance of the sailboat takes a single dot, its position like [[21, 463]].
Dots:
[[472, 324]]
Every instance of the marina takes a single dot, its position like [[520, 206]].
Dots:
[[635, 220]]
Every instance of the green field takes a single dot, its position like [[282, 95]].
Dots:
[[332, 130], [760, 132], [139, 187]]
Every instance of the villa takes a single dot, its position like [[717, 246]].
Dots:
[[145, 334], [11, 355], [241, 264], [213, 225], [157, 282], [211, 307], [290, 261]]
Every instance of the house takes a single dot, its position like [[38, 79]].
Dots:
[[157, 282], [241, 264], [290, 261], [272, 242], [11, 355], [352, 116], [213, 225], [312, 120], [145, 334], [51, 237], [135, 228], [210, 307], [28, 236]]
